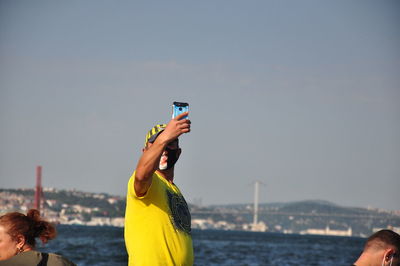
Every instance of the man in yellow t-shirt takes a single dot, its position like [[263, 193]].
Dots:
[[157, 218]]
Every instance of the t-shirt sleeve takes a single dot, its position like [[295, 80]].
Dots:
[[131, 188]]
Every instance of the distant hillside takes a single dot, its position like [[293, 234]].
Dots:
[[306, 207], [91, 204], [299, 216], [292, 217], [321, 207]]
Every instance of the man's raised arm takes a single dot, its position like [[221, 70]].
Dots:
[[149, 161]]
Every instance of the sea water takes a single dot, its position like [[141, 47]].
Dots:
[[104, 246]]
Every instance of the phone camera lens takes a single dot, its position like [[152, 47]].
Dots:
[[180, 108]]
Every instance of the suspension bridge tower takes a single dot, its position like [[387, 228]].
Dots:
[[257, 225]]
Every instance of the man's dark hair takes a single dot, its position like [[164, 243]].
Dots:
[[383, 239]]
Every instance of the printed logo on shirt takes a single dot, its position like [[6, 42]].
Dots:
[[180, 215]]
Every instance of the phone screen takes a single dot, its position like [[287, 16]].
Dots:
[[178, 108]]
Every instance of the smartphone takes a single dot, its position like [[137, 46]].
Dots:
[[178, 108]]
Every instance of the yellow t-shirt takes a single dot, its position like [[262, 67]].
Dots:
[[157, 225]]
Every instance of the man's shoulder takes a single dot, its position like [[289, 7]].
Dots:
[[155, 174], [156, 184]]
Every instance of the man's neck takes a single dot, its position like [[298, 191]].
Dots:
[[167, 174], [369, 259]]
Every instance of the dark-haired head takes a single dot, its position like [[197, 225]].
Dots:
[[23, 230], [383, 239], [381, 248]]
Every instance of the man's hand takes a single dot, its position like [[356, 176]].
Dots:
[[176, 127]]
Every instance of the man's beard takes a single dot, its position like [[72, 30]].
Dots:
[[170, 162]]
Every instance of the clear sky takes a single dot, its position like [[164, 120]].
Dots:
[[301, 95]]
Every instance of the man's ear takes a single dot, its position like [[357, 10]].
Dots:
[[389, 253]]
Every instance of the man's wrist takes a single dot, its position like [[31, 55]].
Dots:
[[161, 140]]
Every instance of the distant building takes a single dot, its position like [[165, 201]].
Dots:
[[393, 228], [210, 224], [202, 224], [327, 232], [258, 227]]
